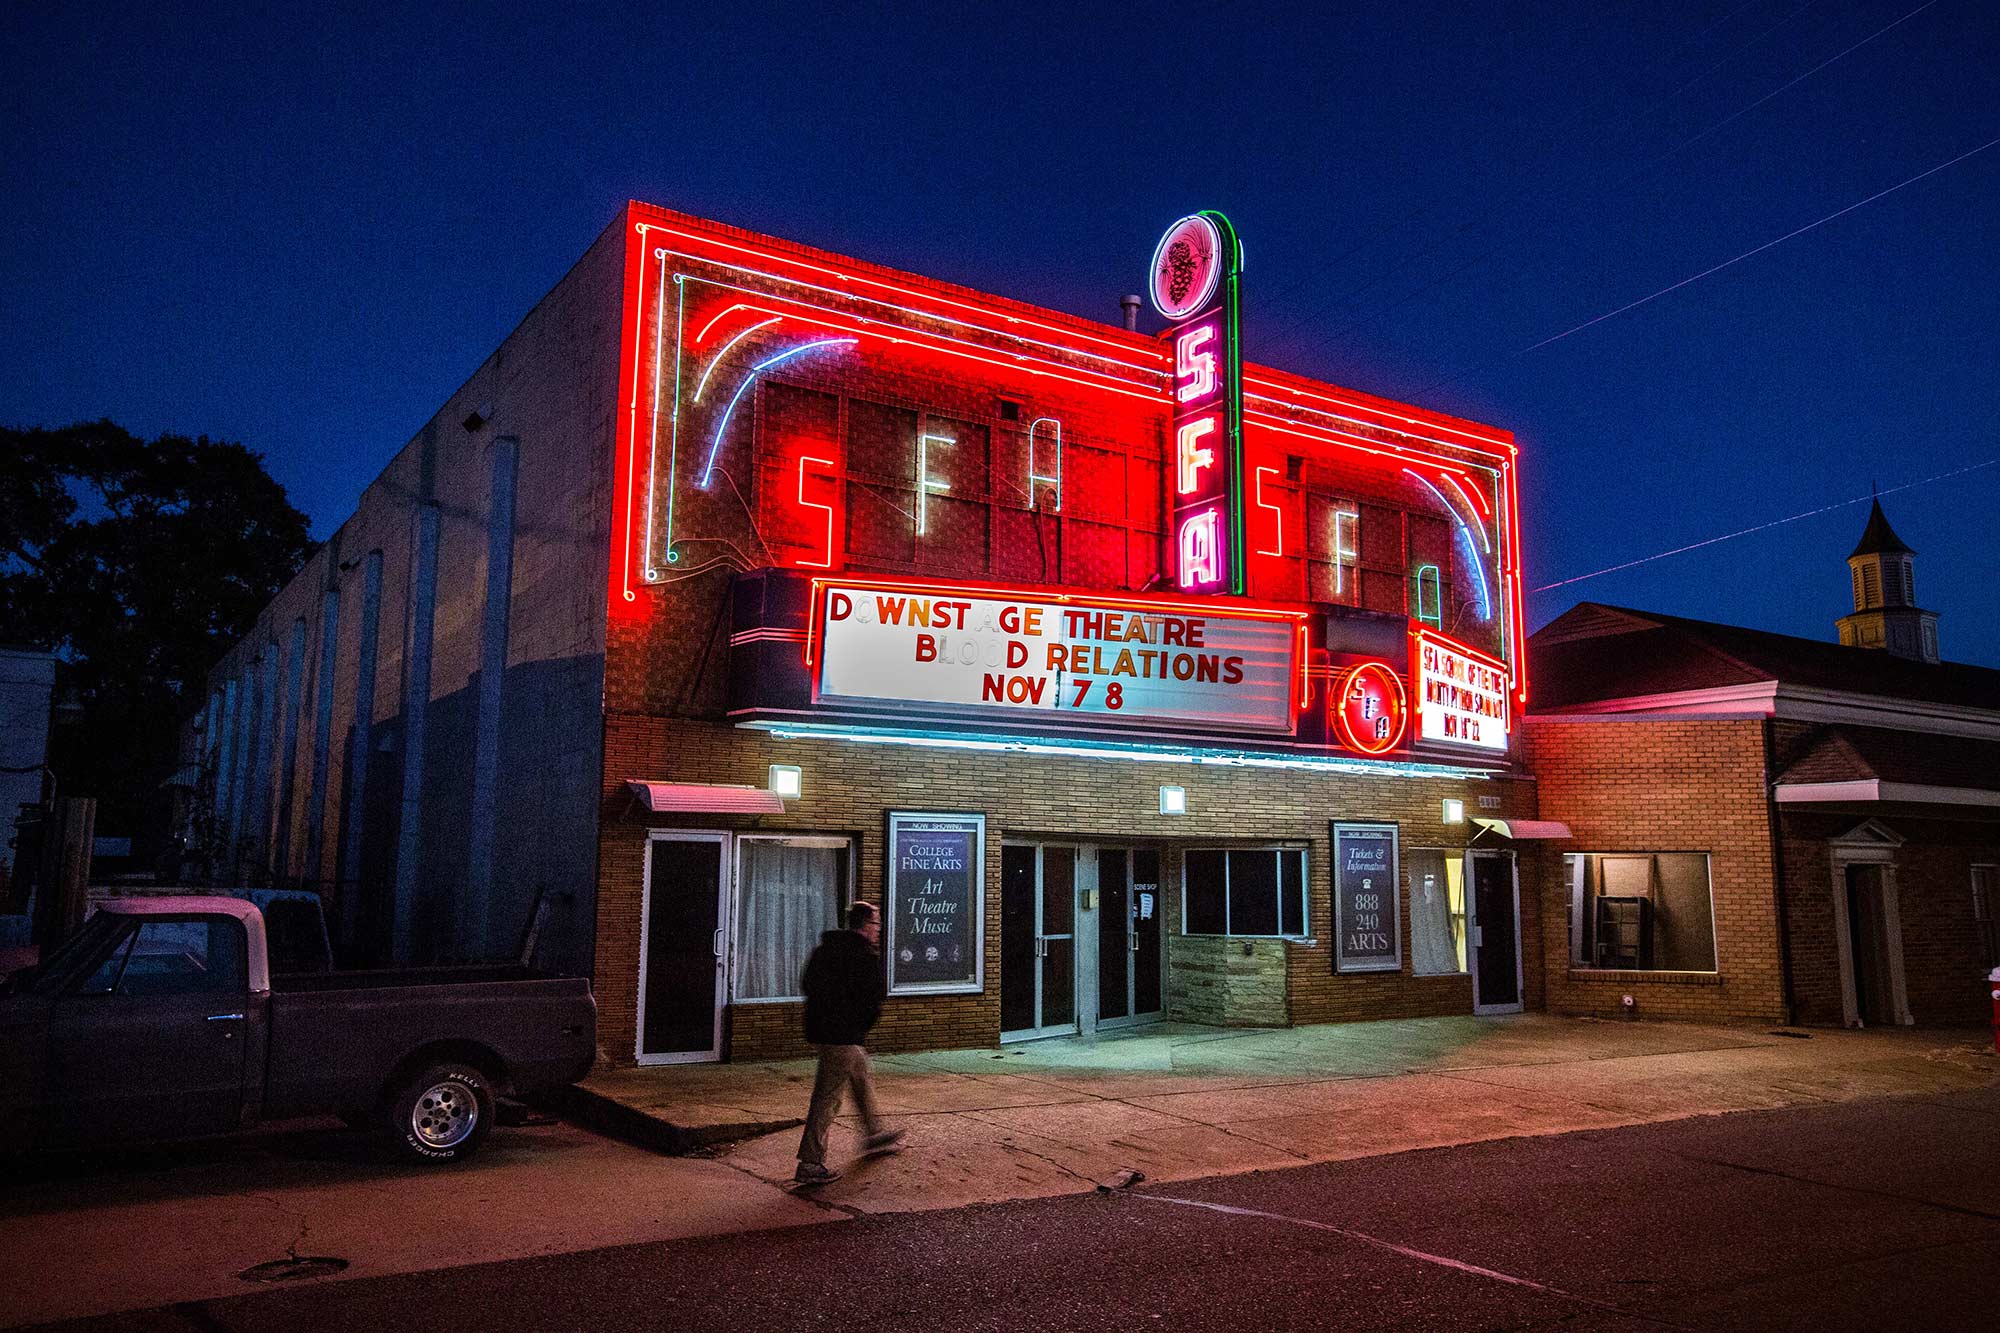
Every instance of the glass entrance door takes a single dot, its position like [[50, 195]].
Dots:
[[1128, 936], [1037, 940], [680, 966], [1496, 934]]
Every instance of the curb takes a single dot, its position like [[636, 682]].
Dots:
[[614, 1119]]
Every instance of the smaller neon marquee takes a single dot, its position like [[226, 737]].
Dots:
[[1461, 692]]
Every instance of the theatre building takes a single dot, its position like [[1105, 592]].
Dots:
[[747, 579]]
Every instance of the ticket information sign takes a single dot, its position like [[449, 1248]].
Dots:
[[1117, 663], [934, 925], [1461, 693], [1367, 900]]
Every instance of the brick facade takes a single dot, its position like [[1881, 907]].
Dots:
[[1683, 785], [849, 789]]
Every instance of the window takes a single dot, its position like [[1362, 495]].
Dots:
[[173, 956], [1437, 912], [1986, 909], [789, 890], [1259, 891], [1641, 911]]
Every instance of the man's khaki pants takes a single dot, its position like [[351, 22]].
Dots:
[[840, 1067]]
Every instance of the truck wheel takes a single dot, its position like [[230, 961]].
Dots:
[[441, 1115]]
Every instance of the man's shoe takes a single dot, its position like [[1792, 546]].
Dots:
[[811, 1174], [886, 1141]]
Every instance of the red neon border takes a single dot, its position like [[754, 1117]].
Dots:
[[1395, 418], [1336, 706]]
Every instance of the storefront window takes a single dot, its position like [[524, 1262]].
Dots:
[[1641, 911], [788, 891], [1437, 911], [1260, 891]]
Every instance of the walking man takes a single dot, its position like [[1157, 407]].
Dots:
[[843, 986]]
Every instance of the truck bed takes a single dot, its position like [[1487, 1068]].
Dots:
[[335, 1035]]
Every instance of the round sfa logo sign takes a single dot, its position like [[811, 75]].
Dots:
[[1187, 265]]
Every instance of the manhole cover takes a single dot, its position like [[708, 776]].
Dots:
[[292, 1270]]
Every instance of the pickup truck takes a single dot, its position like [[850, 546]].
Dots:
[[160, 1018]]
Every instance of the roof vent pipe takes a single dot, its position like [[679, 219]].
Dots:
[[1130, 305]]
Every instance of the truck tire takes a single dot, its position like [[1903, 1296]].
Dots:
[[442, 1114]]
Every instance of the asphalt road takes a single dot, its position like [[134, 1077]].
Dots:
[[1871, 1214]]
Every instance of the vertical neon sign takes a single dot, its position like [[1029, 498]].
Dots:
[[1196, 284]]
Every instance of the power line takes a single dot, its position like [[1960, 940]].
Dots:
[[1432, 210], [1760, 527], [1713, 269], [1747, 254], [1629, 175]]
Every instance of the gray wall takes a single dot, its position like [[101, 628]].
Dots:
[[391, 838]]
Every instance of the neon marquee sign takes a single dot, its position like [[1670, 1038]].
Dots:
[[1104, 661], [707, 308], [1196, 281]]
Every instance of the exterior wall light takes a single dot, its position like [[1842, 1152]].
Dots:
[[1173, 800], [1454, 811], [787, 781]]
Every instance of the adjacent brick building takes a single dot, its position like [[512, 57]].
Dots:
[[1842, 799], [745, 579]]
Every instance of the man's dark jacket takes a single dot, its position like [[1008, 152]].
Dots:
[[843, 985]]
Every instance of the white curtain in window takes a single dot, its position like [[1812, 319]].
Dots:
[[789, 895], [1436, 915]]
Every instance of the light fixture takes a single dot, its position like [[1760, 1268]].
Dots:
[[1454, 811], [1173, 800], [787, 781]]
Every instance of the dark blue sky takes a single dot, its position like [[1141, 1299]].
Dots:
[[304, 233]]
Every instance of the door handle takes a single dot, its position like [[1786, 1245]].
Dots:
[[715, 942], [225, 1018]]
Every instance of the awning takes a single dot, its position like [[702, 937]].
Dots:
[[1521, 830], [187, 775], [707, 798], [1874, 791]]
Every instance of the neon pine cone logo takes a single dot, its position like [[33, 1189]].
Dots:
[[1181, 267]]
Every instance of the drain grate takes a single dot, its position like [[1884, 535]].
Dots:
[[293, 1269]]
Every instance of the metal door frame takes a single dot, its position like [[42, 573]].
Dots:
[[724, 882], [1132, 1017], [1075, 1025], [1472, 929]]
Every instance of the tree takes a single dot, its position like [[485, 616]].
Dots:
[[139, 563]]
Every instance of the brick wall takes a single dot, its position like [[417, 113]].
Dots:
[[1662, 786], [850, 787], [1943, 949]]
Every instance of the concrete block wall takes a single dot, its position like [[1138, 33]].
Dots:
[[552, 385], [1683, 785], [1227, 982], [849, 788]]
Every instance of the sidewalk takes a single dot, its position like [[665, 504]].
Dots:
[[1177, 1102]]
